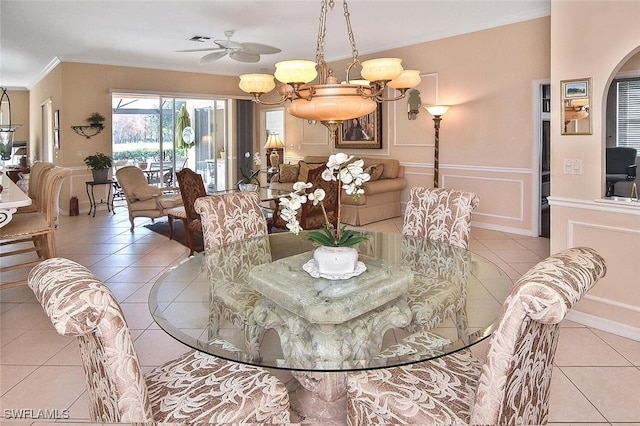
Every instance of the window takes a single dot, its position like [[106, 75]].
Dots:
[[628, 113]]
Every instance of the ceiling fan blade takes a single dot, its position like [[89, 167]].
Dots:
[[261, 49], [203, 49], [212, 56], [228, 44], [241, 56]]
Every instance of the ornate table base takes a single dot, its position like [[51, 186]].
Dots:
[[320, 397]]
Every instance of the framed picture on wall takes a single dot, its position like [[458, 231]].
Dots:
[[363, 132], [56, 129]]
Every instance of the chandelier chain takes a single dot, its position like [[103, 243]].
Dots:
[[352, 39]]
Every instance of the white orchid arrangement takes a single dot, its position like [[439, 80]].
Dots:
[[350, 177]]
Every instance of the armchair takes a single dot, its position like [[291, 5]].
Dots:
[[310, 216], [621, 166], [144, 200]]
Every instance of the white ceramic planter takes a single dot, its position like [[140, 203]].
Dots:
[[336, 260], [247, 187]]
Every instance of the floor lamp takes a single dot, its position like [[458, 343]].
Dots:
[[437, 111]]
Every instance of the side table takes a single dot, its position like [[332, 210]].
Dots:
[[92, 201]]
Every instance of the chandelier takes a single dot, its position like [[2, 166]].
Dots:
[[7, 128], [327, 101]]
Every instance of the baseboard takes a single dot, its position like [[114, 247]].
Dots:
[[609, 326]]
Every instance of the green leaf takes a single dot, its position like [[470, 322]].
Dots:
[[326, 237]]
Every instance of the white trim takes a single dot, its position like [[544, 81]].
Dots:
[[46, 70], [162, 93], [603, 324], [609, 302], [601, 205], [486, 169], [501, 228]]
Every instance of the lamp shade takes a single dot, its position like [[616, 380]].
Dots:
[[333, 102], [257, 83], [407, 80], [296, 71], [274, 141], [436, 110], [383, 69]]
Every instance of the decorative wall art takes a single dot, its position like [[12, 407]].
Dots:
[[362, 132], [576, 106]]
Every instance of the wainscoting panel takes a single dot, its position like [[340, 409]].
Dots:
[[505, 194], [621, 249]]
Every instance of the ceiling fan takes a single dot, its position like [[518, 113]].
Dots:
[[242, 52]]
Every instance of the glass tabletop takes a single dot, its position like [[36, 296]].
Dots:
[[252, 302]]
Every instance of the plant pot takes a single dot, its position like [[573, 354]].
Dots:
[[336, 260], [100, 175], [243, 187]]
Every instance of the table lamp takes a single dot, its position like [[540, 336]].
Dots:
[[274, 143]]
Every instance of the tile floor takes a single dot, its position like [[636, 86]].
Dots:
[[596, 379]]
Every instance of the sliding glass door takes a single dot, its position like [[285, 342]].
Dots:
[[162, 135]]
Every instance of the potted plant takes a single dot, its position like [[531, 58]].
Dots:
[[99, 165], [95, 119], [249, 180], [335, 255]]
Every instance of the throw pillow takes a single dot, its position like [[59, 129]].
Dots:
[[146, 192], [375, 171], [289, 173], [305, 167]]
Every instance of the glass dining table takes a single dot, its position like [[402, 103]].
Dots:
[[11, 197], [254, 302]]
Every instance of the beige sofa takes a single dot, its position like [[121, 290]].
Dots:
[[381, 199]]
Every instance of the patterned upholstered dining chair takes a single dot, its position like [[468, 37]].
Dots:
[[229, 218], [443, 215], [36, 229], [35, 186], [512, 385], [195, 388]]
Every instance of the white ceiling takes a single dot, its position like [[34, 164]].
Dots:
[[36, 35]]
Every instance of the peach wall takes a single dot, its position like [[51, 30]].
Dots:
[[486, 140], [579, 216]]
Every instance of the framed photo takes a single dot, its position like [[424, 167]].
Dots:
[[56, 129], [363, 132], [576, 106], [575, 89]]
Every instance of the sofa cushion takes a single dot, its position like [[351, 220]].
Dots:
[[391, 166], [303, 174], [168, 201], [146, 192], [375, 171], [289, 173]]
